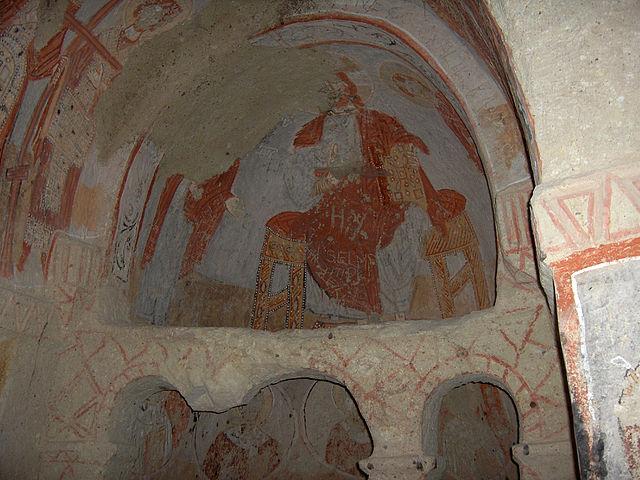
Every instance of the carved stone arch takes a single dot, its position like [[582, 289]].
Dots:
[[283, 375], [149, 413], [434, 401], [304, 412], [433, 412], [473, 89]]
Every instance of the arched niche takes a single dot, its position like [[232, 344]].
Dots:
[[495, 423], [286, 375], [458, 47], [489, 143], [412, 33], [149, 427], [304, 426], [296, 427], [434, 401], [473, 78]]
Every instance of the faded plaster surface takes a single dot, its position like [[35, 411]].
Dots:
[[389, 370], [478, 425], [582, 93], [6, 352], [50, 20], [580, 224], [478, 95], [300, 428], [578, 65], [606, 297], [276, 177]]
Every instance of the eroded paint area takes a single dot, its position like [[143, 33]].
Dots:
[[295, 429], [6, 352], [609, 323], [477, 427], [158, 165]]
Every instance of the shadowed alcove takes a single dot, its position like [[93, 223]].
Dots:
[[295, 428], [471, 423], [477, 427]]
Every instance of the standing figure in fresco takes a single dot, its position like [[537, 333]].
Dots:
[[363, 202], [203, 208]]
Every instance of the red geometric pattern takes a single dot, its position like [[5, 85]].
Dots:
[[104, 366], [595, 210], [65, 465], [24, 314], [390, 379], [514, 231], [395, 387]]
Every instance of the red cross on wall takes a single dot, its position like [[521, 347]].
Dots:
[[16, 175]]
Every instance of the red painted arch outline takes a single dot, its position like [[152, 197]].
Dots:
[[387, 27]]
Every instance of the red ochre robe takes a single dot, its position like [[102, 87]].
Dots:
[[204, 213], [350, 223]]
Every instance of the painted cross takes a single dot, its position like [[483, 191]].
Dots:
[[16, 175]]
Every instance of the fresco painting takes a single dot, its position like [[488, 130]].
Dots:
[[333, 219], [144, 18], [363, 202], [366, 197], [338, 216], [57, 125]]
